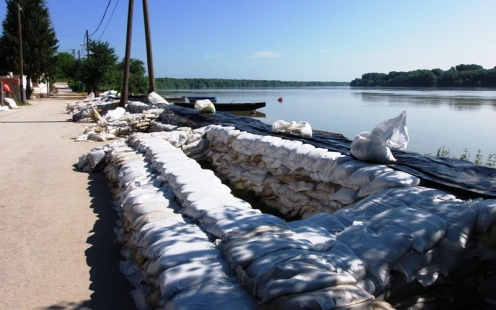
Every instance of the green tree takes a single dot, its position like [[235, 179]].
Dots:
[[98, 69], [66, 66], [138, 83], [39, 42]]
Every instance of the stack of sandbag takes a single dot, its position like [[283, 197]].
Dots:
[[171, 259], [418, 235], [191, 243], [297, 179], [175, 251]]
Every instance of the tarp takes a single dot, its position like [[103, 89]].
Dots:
[[459, 176]]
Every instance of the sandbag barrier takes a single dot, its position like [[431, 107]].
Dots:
[[191, 243], [398, 239]]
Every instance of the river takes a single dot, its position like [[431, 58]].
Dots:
[[453, 119]]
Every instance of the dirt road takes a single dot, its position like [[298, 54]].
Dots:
[[56, 224]]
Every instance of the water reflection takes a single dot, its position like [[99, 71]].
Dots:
[[256, 114], [461, 102]]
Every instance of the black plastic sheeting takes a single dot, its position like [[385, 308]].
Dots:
[[454, 175]]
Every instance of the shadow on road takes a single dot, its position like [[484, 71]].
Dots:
[[111, 290]]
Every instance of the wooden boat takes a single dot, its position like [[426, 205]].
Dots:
[[194, 98], [234, 106]]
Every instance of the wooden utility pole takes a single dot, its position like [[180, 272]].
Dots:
[[125, 82], [21, 62], [149, 57]]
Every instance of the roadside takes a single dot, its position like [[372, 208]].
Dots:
[[56, 224]]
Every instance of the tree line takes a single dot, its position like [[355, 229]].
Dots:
[[463, 75], [203, 83]]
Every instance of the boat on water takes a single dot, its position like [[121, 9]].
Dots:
[[234, 106], [193, 99]]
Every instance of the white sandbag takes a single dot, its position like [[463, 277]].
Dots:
[[158, 217], [362, 176], [345, 196], [115, 114], [217, 294], [156, 99], [216, 191], [138, 210], [376, 145], [332, 297], [153, 197], [180, 254], [167, 229], [460, 216], [297, 157], [297, 275], [378, 252], [300, 186], [344, 170], [205, 106], [200, 185], [413, 261], [319, 237], [225, 228], [96, 156], [388, 180], [325, 220], [241, 253], [486, 216], [230, 212], [344, 260], [200, 207], [295, 128], [166, 243], [426, 228], [11, 103], [268, 261], [182, 277], [180, 177]]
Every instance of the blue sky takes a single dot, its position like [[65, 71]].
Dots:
[[321, 40]]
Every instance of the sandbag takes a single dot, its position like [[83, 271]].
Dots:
[[217, 294], [375, 146], [185, 276], [378, 252], [332, 297], [205, 106], [298, 275], [295, 128]]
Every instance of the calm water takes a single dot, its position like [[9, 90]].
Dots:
[[453, 119]]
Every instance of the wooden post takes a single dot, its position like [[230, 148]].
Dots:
[[149, 57], [125, 82]]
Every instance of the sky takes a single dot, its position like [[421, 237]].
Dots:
[[290, 40]]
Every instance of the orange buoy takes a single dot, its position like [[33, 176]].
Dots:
[[280, 99]]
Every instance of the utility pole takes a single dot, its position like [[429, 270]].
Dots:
[[87, 45], [149, 57], [21, 62], [125, 82]]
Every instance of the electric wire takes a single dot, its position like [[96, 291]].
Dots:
[[103, 17], [108, 21]]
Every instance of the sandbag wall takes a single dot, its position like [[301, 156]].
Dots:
[[394, 237], [297, 179], [192, 245]]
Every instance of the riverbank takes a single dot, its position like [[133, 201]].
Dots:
[[55, 225]]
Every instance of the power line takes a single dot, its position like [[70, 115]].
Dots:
[[103, 17], [110, 18]]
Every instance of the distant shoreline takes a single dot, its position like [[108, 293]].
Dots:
[[203, 83]]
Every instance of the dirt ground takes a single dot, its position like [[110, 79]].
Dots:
[[56, 224]]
